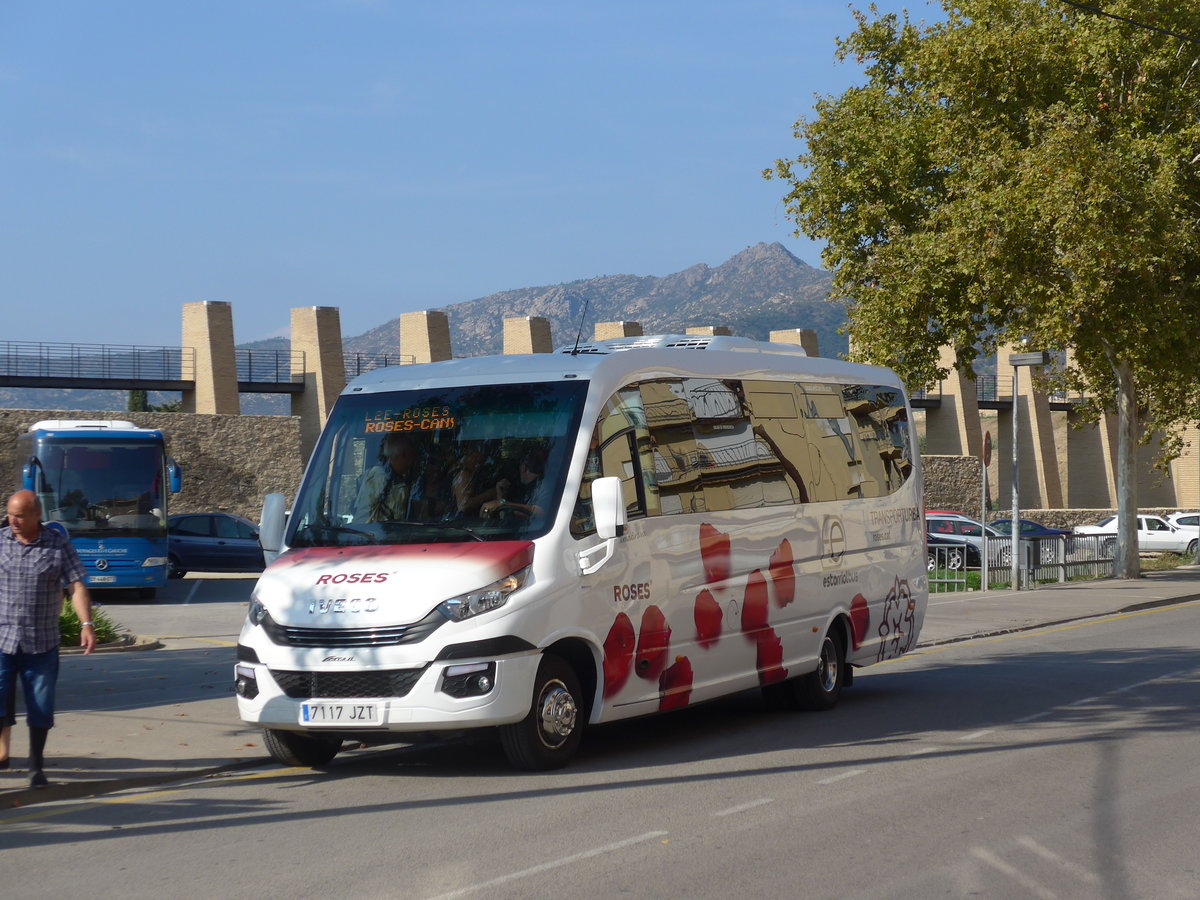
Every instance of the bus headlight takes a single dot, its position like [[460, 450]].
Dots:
[[151, 561], [485, 599]]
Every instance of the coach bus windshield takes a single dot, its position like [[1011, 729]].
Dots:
[[477, 463], [102, 488]]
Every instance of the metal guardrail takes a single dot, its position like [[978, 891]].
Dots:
[[269, 366], [28, 359], [359, 363], [127, 365]]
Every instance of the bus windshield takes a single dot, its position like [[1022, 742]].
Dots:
[[439, 465], [103, 488]]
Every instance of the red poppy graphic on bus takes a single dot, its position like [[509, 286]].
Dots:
[[676, 685], [779, 567], [770, 658], [754, 605], [618, 654], [714, 554], [654, 639], [708, 616], [860, 620]]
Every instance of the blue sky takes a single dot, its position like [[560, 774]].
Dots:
[[384, 156]]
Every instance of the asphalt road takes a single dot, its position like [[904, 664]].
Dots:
[[1051, 763]]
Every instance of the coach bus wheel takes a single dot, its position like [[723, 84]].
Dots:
[[548, 737], [293, 749], [820, 689]]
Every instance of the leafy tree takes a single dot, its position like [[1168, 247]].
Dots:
[[139, 401], [1021, 169]]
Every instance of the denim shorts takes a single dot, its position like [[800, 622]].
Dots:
[[39, 674]]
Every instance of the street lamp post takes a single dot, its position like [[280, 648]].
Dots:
[[1017, 360]]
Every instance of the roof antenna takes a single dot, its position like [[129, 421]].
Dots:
[[582, 319]]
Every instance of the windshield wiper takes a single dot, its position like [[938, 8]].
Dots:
[[313, 533], [444, 526]]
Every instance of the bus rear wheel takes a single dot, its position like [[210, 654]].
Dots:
[[821, 688], [290, 748], [549, 735]]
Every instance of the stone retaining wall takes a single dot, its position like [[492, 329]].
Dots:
[[229, 462]]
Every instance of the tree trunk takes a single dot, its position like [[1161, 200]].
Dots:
[[1127, 563]]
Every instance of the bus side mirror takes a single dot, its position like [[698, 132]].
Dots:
[[608, 507], [29, 473], [270, 527], [174, 476]]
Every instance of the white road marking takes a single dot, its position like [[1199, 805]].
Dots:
[[745, 806], [852, 773], [976, 735], [922, 750], [547, 866], [1004, 868], [192, 593], [1062, 862]]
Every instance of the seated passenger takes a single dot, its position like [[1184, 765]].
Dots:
[[525, 499], [469, 492], [387, 491]]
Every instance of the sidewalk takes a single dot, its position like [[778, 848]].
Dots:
[[97, 750]]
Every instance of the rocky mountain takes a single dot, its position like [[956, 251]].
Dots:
[[758, 290], [761, 289]]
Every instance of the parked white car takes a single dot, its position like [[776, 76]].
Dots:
[[1154, 534], [1185, 520]]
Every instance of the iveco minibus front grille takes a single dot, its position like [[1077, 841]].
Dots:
[[346, 685], [377, 636]]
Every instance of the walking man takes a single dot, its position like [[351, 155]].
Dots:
[[35, 563]]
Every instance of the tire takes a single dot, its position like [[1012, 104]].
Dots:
[[549, 735], [955, 559], [931, 563], [820, 689], [174, 569], [290, 748], [1191, 550]]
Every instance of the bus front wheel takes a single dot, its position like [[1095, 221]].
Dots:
[[549, 735], [290, 748]]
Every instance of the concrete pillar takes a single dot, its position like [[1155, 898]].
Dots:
[[952, 428], [424, 336], [710, 330], [317, 333], [608, 330], [527, 334], [1185, 471], [805, 338], [208, 331]]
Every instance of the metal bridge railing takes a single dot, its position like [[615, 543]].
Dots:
[[358, 363], [270, 366], [28, 359]]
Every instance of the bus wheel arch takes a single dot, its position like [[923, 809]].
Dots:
[[550, 734]]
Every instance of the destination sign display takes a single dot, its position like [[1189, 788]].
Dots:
[[415, 418]]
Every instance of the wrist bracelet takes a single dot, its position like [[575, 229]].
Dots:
[[85, 624]]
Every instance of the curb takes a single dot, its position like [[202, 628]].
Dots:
[[1014, 629], [125, 644]]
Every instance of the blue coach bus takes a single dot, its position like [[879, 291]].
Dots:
[[107, 483]]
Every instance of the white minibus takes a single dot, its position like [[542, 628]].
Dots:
[[537, 543]]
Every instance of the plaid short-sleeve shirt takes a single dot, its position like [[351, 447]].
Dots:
[[31, 589]]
